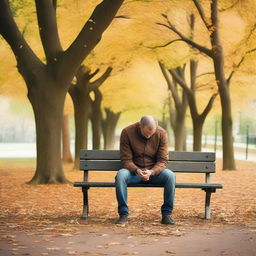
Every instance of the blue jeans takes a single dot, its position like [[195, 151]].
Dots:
[[165, 178]]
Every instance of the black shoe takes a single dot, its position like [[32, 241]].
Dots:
[[122, 221], [168, 220]]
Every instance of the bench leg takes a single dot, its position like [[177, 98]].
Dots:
[[85, 206], [207, 205]]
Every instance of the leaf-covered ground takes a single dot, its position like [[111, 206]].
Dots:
[[56, 209]]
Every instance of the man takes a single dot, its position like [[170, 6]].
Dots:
[[144, 158]]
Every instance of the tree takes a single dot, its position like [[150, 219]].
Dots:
[[198, 119], [80, 94], [48, 83], [96, 114], [177, 113], [217, 56]]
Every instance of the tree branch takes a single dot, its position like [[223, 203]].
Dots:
[[98, 82], [204, 86], [187, 40], [122, 17], [164, 45], [202, 14], [94, 73], [230, 7], [171, 87], [251, 50], [82, 73], [179, 79], [193, 69], [180, 72], [173, 113], [27, 61], [206, 73], [48, 30], [209, 106], [251, 32], [192, 25], [189, 93], [88, 37], [238, 65]]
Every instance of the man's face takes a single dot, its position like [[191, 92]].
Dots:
[[147, 133]]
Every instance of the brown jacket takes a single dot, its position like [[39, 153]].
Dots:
[[138, 152]]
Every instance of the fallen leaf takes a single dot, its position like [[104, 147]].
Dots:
[[72, 252], [170, 252], [53, 248], [113, 243], [104, 235], [67, 234]]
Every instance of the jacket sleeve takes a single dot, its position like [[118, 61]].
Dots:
[[162, 155], [126, 154]]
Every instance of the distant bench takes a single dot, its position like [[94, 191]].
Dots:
[[180, 162]]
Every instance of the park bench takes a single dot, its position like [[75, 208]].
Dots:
[[180, 162]]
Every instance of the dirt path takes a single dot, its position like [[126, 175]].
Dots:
[[229, 240]]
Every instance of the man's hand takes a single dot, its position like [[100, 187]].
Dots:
[[144, 174]]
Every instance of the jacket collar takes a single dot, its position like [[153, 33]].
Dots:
[[140, 134]]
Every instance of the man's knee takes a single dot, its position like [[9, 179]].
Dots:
[[169, 175], [122, 175]]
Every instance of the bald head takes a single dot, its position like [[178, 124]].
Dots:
[[149, 121], [148, 125]]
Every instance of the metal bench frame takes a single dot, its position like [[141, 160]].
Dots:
[[180, 162]]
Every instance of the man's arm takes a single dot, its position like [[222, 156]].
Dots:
[[126, 153], [162, 155]]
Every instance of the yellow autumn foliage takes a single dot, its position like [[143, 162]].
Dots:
[[136, 85]]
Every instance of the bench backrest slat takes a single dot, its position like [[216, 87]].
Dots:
[[173, 155], [176, 166]]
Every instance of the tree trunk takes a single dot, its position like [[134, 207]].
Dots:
[[179, 135], [197, 134], [81, 103], [177, 113], [227, 131], [96, 130], [96, 119], [80, 93], [226, 119], [47, 100], [109, 128], [218, 61], [177, 121], [66, 153]]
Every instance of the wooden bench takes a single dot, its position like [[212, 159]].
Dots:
[[180, 162]]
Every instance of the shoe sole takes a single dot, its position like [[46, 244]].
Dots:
[[121, 224]]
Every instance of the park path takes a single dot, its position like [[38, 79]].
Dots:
[[223, 241], [45, 220]]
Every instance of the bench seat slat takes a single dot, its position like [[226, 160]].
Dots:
[[178, 185], [173, 155], [107, 165]]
